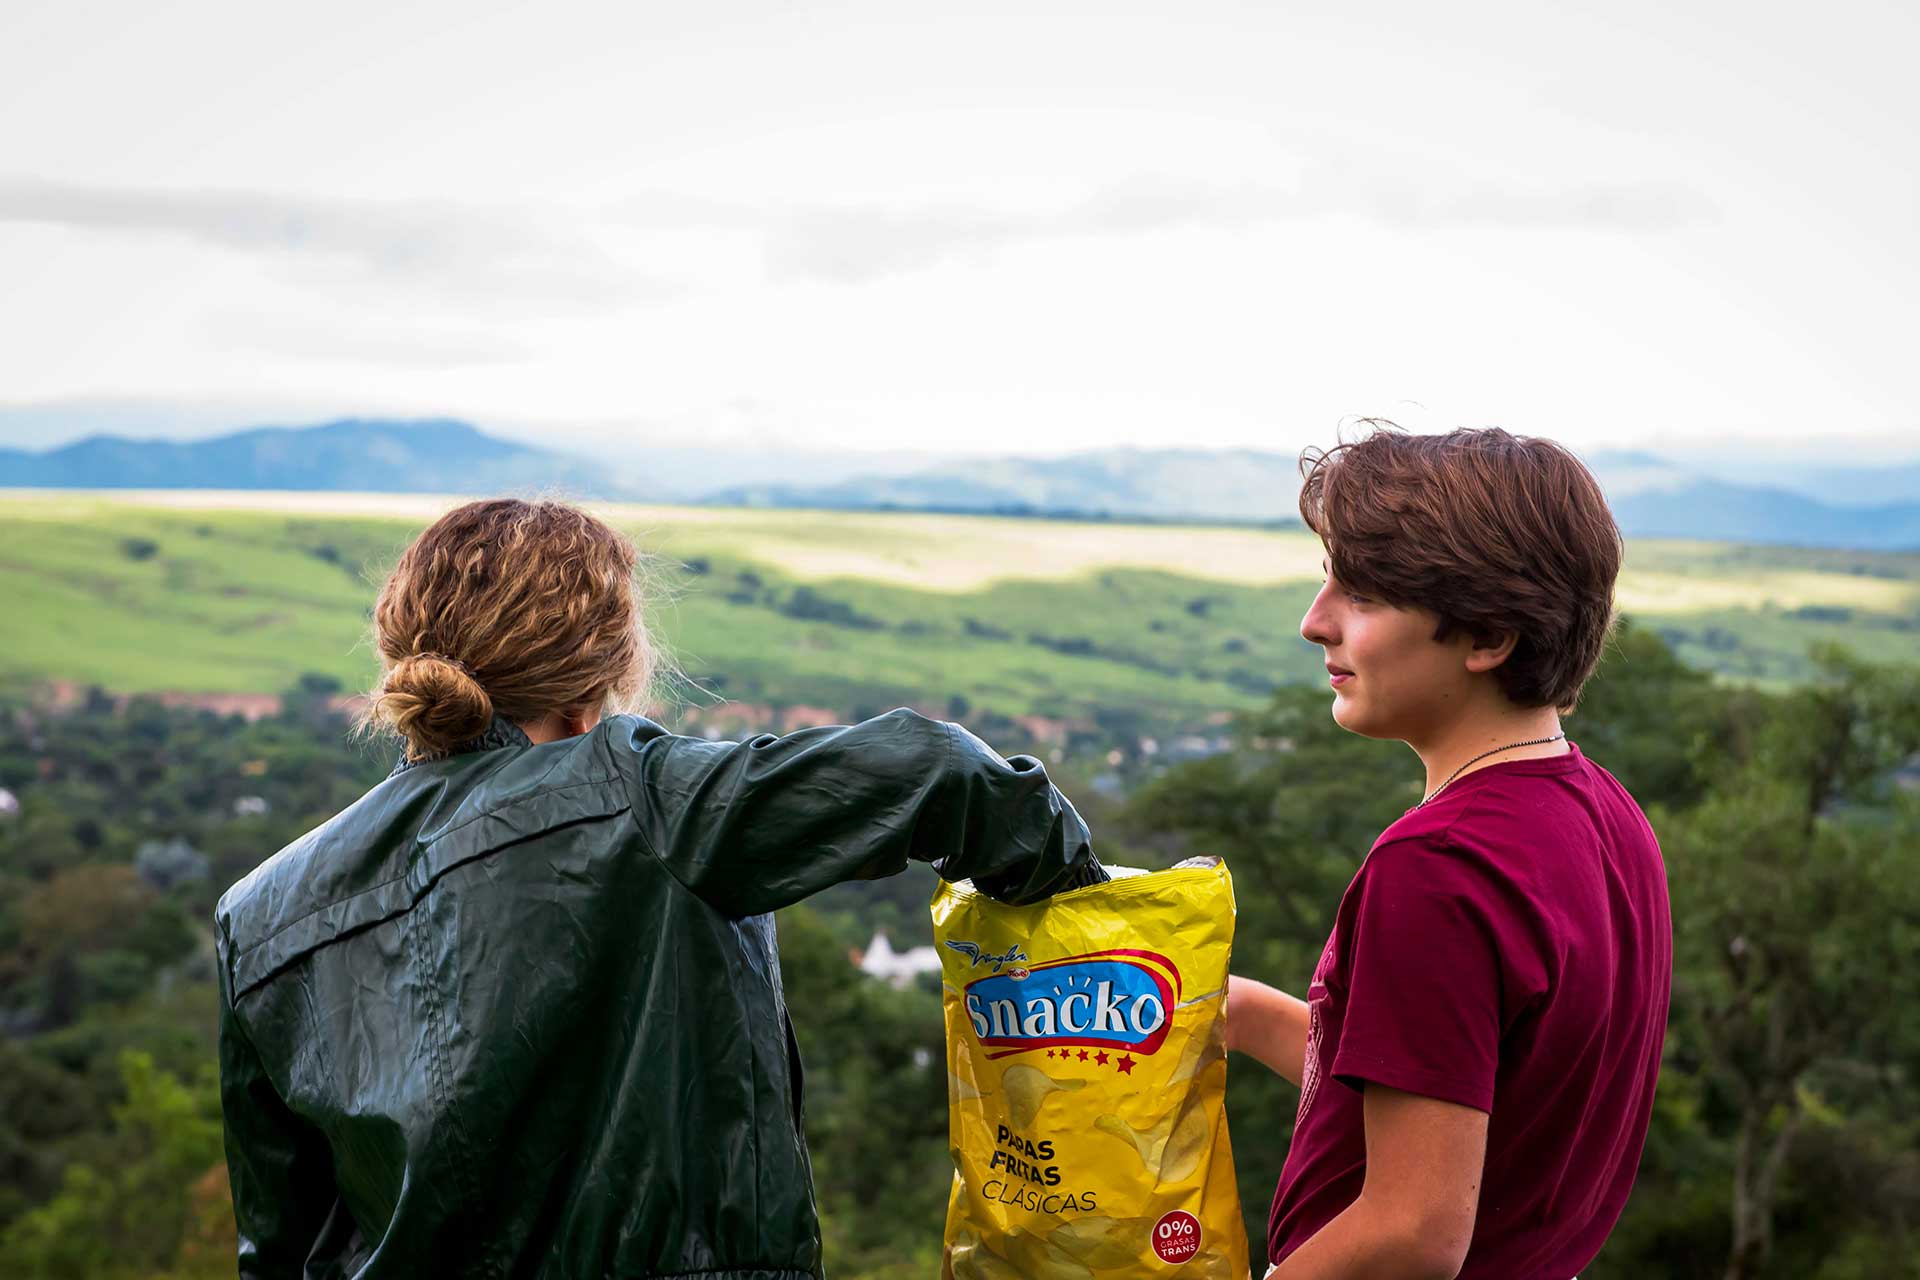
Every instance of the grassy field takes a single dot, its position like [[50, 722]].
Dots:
[[244, 592]]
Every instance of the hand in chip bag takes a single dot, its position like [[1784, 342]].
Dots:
[[1086, 1080]]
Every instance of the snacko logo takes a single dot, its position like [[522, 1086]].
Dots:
[[1104, 999]]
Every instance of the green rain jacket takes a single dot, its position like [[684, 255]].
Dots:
[[517, 1011]]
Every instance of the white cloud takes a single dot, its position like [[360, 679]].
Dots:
[[858, 243], [367, 341], [1034, 227], [460, 251]]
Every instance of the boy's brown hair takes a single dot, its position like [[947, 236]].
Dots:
[[508, 607], [1493, 532]]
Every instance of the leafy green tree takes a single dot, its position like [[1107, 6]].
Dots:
[[1650, 719], [876, 1106], [41, 1107], [70, 930], [126, 1219], [1793, 893]]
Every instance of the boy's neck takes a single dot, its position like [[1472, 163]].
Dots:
[[1499, 726]]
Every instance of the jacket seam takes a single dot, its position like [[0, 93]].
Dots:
[[666, 865], [949, 735], [393, 880], [437, 1073], [518, 800], [225, 956], [639, 827], [426, 886], [753, 1066]]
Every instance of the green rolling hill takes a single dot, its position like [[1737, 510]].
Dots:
[[204, 593]]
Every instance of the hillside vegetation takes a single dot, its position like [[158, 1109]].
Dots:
[[245, 593], [1783, 1136], [1784, 793]]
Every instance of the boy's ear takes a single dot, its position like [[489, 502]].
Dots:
[[1489, 652]]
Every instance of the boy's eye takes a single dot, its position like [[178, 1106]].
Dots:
[[1354, 596], [1326, 576]]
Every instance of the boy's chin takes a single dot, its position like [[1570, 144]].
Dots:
[[1347, 715], [1351, 716]]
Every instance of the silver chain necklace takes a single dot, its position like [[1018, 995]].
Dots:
[[1531, 742]]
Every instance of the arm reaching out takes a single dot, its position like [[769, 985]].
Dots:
[[755, 826], [1268, 1025]]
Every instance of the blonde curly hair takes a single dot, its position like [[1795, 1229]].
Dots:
[[506, 607]]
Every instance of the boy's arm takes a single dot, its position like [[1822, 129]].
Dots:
[[1267, 1025], [1415, 1213]]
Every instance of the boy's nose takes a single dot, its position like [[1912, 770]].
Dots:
[[1318, 626]]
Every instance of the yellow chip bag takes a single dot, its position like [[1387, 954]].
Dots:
[[1087, 1074]]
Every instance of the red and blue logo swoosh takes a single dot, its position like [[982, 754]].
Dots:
[[1120, 999]]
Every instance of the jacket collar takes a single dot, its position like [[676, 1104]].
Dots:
[[501, 733]]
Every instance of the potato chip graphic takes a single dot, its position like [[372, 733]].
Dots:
[[1201, 1052], [1040, 1259], [1027, 1087], [1171, 1148], [1209, 1266], [1102, 1243], [977, 1262], [961, 1089]]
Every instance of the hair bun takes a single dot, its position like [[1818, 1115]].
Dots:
[[434, 703]]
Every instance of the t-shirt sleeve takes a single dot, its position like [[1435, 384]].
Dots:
[[1424, 977]]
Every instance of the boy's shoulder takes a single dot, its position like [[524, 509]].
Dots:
[[1525, 831], [1503, 815]]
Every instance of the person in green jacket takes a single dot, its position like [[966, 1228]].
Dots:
[[517, 1011]]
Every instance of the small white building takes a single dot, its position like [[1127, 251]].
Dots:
[[900, 968], [9, 804]]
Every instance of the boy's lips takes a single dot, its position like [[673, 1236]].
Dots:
[[1338, 675]]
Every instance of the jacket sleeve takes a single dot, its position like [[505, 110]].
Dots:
[[758, 825], [280, 1167]]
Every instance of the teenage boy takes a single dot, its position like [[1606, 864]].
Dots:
[[1478, 1048]]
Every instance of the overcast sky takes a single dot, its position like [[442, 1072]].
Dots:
[[1035, 227]]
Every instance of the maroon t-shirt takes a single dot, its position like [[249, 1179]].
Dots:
[[1507, 947]]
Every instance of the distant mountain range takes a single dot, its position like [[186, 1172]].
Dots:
[[1651, 497], [1174, 484], [436, 455], [1740, 500]]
